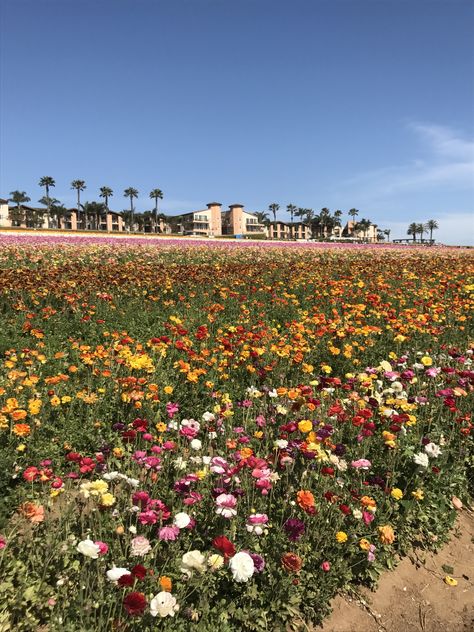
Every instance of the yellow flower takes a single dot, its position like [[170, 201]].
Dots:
[[168, 390], [418, 494], [326, 369], [21, 447], [386, 534], [34, 406], [396, 493], [426, 361], [305, 425], [341, 537], [364, 544], [450, 581], [161, 427], [107, 500], [55, 401], [118, 452]]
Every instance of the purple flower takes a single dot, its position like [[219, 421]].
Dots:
[[258, 562], [294, 529]]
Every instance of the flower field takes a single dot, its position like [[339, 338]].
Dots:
[[220, 436]]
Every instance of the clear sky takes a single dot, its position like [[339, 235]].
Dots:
[[336, 103]]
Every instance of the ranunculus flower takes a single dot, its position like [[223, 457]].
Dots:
[[361, 464], [386, 534], [140, 546], [225, 546], [182, 520], [421, 459], [432, 450], [294, 529], [226, 505], [103, 547], [164, 605], [215, 561], [3, 542], [292, 562], [168, 533], [116, 572], [134, 603], [256, 523], [193, 561], [242, 566], [88, 548], [305, 500], [326, 566]]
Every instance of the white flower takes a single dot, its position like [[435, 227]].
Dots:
[[196, 444], [253, 392], [421, 459], [207, 416], [215, 561], [181, 520], [397, 387], [115, 573], [432, 450], [357, 513], [88, 548], [163, 604], [281, 410], [132, 528], [281, 444], [272, 394], [180, 463], [192, 561], [242, 567]]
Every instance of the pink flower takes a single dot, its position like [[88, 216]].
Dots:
[[148, 517], [3, 542], [103, 548], [326, 566], [140, 546], [367, 517], [226, 505], [172, 409], [168, 533], [361, 464]]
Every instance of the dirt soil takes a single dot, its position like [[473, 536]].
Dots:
[[414, 596]]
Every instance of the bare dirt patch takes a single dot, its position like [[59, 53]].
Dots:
[[414, 596]]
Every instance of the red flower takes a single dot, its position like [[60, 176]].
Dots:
[[139, 571], [125, 580], [134, 603], [225, 546]]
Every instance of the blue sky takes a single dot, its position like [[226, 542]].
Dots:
[[355, 103]]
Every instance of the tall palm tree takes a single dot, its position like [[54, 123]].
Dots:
[[156, 194], [58, 211], [131, 193], [324, 218], [79, 185], [291, 208], [19, 197], [52, 204], [420, 228], [353, 213], [413, 230], [363, 226], [387, 232], [262, 217], [106, 192], [431, 225], [46, 182]]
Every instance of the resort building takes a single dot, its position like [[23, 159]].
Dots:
[[352, 232], [238, 221], [206, 222]]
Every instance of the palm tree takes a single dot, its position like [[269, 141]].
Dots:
[[131, 193], [387, 232], [58, 211], [46, 182], [127, 218], [106, 192], [52, 204], [324, 218], [363, 226], [431, 225], [262, 217], [156, 194], [291, 209], [380, 235], [420, 228], [413, 230], [19, 197], [94, 211], [353, 213], [79, 185]]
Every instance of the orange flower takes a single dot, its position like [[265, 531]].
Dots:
[[292, 562], [386, 534], [305, 500], [246, 453], [19, 414], [21, 430], [34, 513], [165, 583]]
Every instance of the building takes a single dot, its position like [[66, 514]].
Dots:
[[350, 231], [238, 221], [26, 216]]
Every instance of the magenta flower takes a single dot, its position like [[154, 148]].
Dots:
[[362, 464], [226, 505], [294, 529]]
